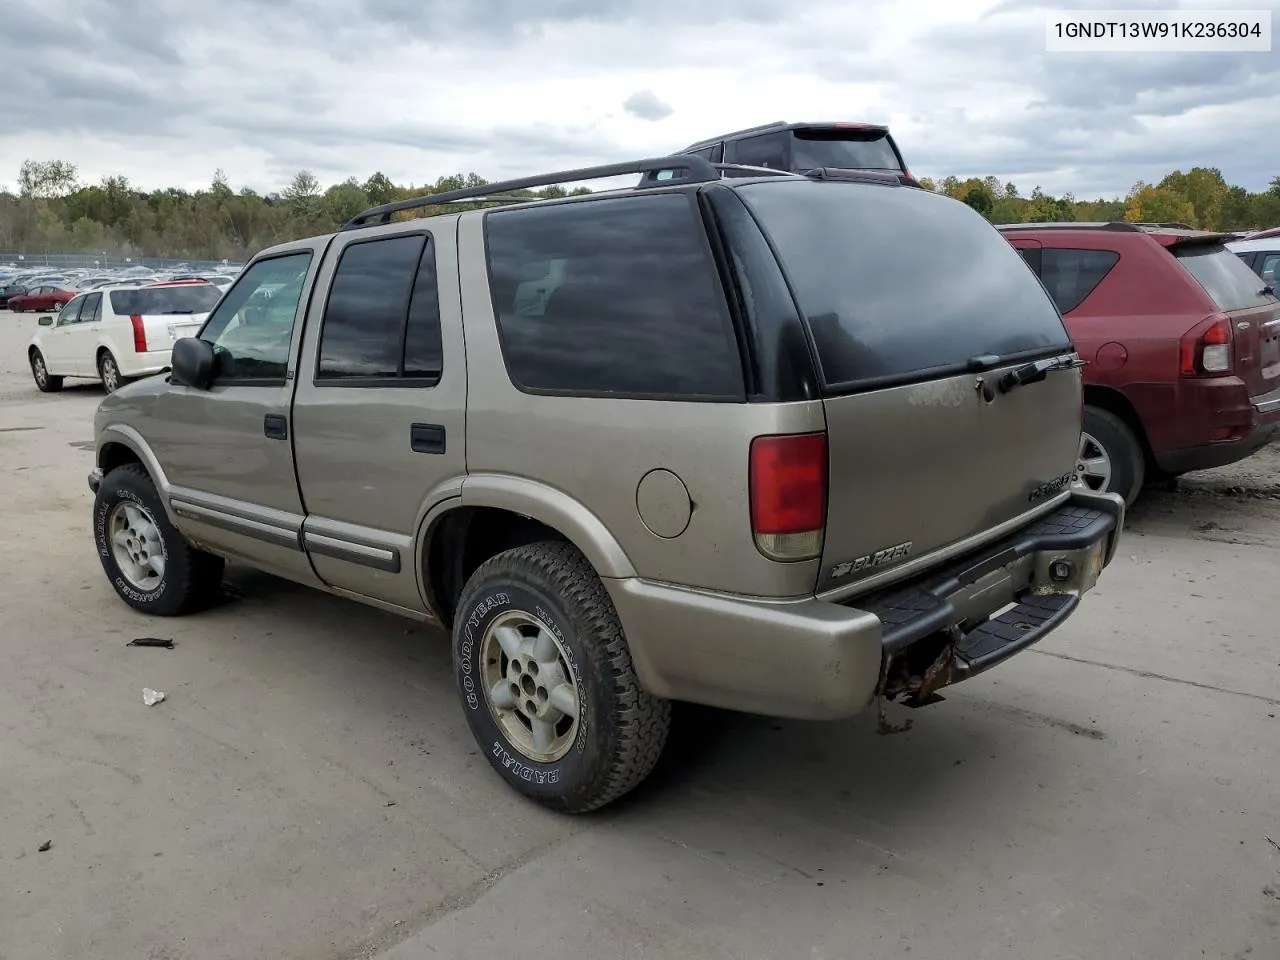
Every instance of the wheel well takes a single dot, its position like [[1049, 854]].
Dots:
[[1116, 403], [465, 538], [114, 455]]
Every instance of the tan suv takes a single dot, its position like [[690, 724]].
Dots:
[[774, 443]]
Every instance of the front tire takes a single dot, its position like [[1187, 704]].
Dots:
[[1110, 459], [46, 382], [149, 563], [547, 683]]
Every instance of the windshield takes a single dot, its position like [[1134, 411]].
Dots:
[[1227, 279], [156, 301], [899, 284], [850, 149]]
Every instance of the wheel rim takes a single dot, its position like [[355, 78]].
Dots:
[[110, 375], [136, 545], [38, 370], [1093, 465], [530, 686]]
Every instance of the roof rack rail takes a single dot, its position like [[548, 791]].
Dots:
[[1116, 225], [700, 171]]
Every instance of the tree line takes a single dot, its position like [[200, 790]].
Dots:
[[53, 212]]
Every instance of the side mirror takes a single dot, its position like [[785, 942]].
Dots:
[[193, 363], [45, 321]]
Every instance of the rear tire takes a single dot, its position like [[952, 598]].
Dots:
[[547, 683], [1110, 459], [46, 382], [131, 531], [109, 372]]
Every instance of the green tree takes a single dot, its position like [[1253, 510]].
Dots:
[[379, 189], [1150, 204], [343, 201], [46, 179]]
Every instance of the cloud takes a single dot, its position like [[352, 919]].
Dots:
[[165, 92], [645, 105]]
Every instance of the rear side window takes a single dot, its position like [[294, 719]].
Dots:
[[611, 297], [1071, 275], [1230, 283], [382, 319], [847, 148], [158, 301], [899, 284]]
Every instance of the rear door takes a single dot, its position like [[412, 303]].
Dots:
[[379, 413], [917, 307], [1255, 314]]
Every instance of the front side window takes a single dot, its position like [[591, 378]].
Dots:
[[382, 318], [611, 297], [1071, 275], [70, 313], [252, 327]]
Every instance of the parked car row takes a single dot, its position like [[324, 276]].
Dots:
[[30, 290]]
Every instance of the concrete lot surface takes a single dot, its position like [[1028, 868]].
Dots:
[[309, 789]]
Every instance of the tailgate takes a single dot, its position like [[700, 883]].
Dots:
[[916, 468], [1238, 293]]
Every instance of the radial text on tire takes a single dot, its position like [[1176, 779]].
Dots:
[[151, 566], [547, 683]]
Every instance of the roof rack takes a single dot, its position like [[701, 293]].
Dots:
[[700, 170], [1116, 225]]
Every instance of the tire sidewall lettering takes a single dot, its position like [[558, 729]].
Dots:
[[102, 509], [509, 762]]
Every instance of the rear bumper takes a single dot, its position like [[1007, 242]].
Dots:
[[819, 660], [144, 364], [1257, 426]]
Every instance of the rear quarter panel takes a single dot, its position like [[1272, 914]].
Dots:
[[597, 450]]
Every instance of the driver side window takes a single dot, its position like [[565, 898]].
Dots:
[[70, 313], [252, 327]]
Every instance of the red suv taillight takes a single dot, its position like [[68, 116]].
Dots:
[[1205, 349], [789, 494], [139, 334]]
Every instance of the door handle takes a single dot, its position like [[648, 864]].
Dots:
[[426, 438], [275, 426]]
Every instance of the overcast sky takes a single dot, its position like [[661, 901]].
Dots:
[[167, 91]]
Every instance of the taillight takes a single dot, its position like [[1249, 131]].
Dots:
[[789, 494], [139, 334], [1205, 349]]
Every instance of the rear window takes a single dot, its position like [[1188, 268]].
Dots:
[[1228, 281], [157, 301], [843, 147], [899, 284]]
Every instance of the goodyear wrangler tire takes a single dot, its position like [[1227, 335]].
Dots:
[[151, 566], [547, 683]]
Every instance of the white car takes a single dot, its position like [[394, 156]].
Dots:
[[1261, 253], [117, 333]]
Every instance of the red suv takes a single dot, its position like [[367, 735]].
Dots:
[[1181, 344]]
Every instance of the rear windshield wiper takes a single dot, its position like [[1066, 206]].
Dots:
[[1037, 371]]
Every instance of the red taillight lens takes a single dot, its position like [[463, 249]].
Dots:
[[789, 494], [1205, 349], [139, 334]]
